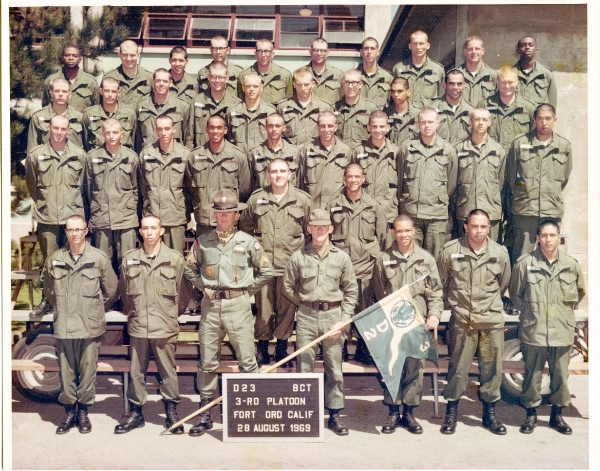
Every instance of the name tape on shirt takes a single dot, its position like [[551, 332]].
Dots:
[[58, 263], [335, 209], [463, 154], [262, 201], [526, 146], [457, 255], [533, 269], [390, 262], [133, 262]]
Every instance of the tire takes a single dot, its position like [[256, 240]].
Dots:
[[512, 383], [36, 385]]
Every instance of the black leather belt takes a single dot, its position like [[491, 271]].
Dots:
[[229, 293], [321, 305]]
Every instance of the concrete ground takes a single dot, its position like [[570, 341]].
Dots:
[[36, 446]]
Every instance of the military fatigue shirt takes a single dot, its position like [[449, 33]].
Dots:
[[149, 288], [479, 86], [94, 117], [161, 183], [277, 225], [240, 264], [55, 183], [376, 87], [84, 89], [393, 270], [328, 84], [233, 70], [480, 178], [301, 123], [81, 291], [476, 282], [538, 85], [546, 294], [133, 89], [205, 106], [536, 175], [147, 111], [39, 127], [208, 172], [321, 171], [455, 125], [352, 120], [329, 279], [111, 188], [186, 88], [508, 121], [359, 229], [277, 83], [426, 82], [403, 127], [261, 156], [426, 178], [245, 128], [381, 180]]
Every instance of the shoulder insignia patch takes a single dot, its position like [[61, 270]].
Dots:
[[257, 245], [264, 261], [208, 271]]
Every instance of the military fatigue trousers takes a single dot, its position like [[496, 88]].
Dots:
[[164, 356], [174, 238], [114, 243], [271, 303], [521, 235], [429, 234], [411, 384], [51, 237], [558, 364], [77, 359]]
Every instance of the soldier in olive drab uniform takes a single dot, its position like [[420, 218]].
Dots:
[[480, 78], [378, 157], [134, 80], [111, 188], [453, 110], [538, 166], [328, 79], [477, 271], [81, 285], [546, 285], [402, 264], [402, 115], [301, 112], [320, 280], [162, 102], [276, 215], [511, 113], [150, 285], [536, 82], [183, 85], [161, 180], [94, 117], [276, 80], [359, 228], [425, 76], [216, 99], [219, 49], [39, 125], [322, 162], [215, 165], [480, 176], [426, 180], [352, 111], [246, 120], [376, 80], [228, 266], [275, 147], [54, 176], [84, 87]]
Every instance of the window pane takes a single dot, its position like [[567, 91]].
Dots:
[[255, 23], [212, 10], [342, 37], [295, 9], [345, 10], [166, 28], [263, 10], [167, 9], [206, 28], [300, 25], [296, 40]]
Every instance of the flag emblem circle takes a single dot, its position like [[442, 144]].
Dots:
[[403, 314]]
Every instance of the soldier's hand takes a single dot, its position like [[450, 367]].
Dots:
[[209, 294], [432, 323], [339, 329]]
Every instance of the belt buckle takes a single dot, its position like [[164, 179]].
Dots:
[[222, 294], [321, 306]]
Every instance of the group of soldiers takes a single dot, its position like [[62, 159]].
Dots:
[[344, 186]]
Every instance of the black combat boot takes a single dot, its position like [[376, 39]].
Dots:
[[43, 308], [409, 422], [262, 352], [171, 412], [204, 420], [135, 420], [83, 421], [362, 354], [393, 419], [335, 423], [489, 419], [281, 352], [530, 421], [557, 422], [345, 351], [449, 425], [70, 420]]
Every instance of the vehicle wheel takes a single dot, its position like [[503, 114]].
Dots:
[[512, 383], [36, 385]]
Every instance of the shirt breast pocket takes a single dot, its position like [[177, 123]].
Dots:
[[133, 280], [90, 286], [167, 286]]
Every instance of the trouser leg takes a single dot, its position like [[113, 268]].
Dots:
[[332, 359], [209, 336], [434, 236], [139, 350], [462, 347], [490, 351], [51, 238], [66, 362], [558, 362], [239, 325], [164, 355], [264, 300], [284, 312], [411, 384], [306, 332], [174, 238]]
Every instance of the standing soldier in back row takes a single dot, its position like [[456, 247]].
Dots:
[[376, 80]]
